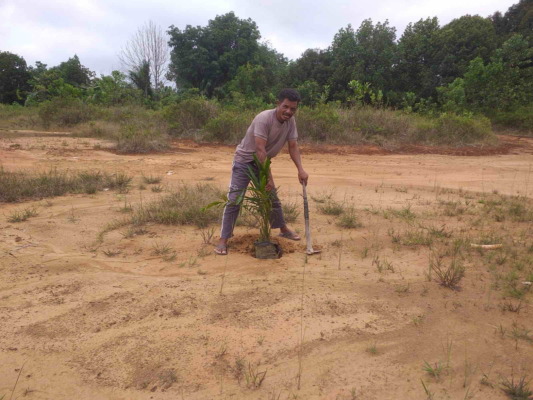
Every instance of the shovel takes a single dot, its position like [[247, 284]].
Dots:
[[309, 247]]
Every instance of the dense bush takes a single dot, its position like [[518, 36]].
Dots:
[[137, 129], [229, 126], [462, 130], [16, 116], [136, 138], [378, 124], [189, 115], [319, 124], [66, 112], [97, 129], [521, 118]]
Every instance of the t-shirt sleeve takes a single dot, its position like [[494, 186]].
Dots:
[[260, 128], [293, 132]]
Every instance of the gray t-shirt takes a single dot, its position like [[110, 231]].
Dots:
[[266, 126]]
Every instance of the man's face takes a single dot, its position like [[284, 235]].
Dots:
[[286, 109]]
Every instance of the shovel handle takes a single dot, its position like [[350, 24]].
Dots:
[[306, 217]]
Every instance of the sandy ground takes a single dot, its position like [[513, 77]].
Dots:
[[109, 320]]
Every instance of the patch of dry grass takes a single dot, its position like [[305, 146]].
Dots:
[[20, 186]]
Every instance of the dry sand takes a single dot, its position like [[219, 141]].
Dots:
[[130, 325]]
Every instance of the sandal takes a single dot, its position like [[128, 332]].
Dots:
[[290, 235], [221, 250]]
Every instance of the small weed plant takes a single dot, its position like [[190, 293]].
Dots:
[[254, 377], [517, 390], [372, 349], [447, 275], [382, 265], [161, 249], [434, 370], [151, 179], [23, 215], [207, 234], [348, 219], [331, 207]]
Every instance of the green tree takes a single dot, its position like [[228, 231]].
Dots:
[[37, 71], [506, 82], [48, 84], [208, 57], [311, 93], [344, 57], [375, 54], [14, 78], [313, 65], [415, 70], [459, 42], [112, 90], [275, 67], [452, 97], [365, 55], [74, 73], [517, 19], [69, 79], [250, 81]]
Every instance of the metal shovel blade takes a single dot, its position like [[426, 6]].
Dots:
[[309, 247]]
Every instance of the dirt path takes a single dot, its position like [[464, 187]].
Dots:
[[110, 320]]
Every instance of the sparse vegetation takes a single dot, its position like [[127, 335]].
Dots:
[[23, 215], [517, 390], [161, 249], [348, 219], [157, 291], [331, 207], [151, 179], [447, 274], [254, 377], [404, 213], [434, 370], [20, 186], [382, 265], [372, 349], [412, 237], [182, 207], [207, 234], [135, 138], [291, 211], [111, 253]]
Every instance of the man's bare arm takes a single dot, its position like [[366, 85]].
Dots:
[[294, 152], [260, 148]]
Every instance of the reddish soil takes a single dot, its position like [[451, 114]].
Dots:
[[88, 319]]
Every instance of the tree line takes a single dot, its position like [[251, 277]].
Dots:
[[472, 64]]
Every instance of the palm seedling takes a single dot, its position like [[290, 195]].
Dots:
[[257, 199]]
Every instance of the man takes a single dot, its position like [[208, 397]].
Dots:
[[265, 137]]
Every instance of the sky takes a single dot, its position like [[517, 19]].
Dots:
[[52, 31]]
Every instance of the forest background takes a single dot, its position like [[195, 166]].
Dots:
[[442, 85]]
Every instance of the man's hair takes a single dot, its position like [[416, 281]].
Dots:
[[289, 94]]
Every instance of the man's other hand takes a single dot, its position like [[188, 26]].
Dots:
[[303, 177]]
